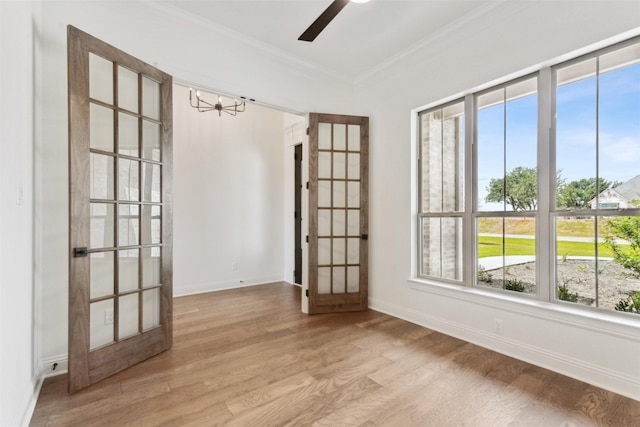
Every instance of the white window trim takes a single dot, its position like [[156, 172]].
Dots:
[[545, 235]]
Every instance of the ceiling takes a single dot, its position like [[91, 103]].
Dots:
[[360, 39]]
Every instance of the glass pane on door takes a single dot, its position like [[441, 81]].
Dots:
[[150, 267], [128, 225], [128, 269], [128, 180], [324, 136], [150, 182], [339, 137], [353, 279], [101, 173], [100, 79], [150, 140], [151, 224], [128, 316], [102, 266], [127, 89], [102, 225], [150, 308], [101, 323], [150, 98], [127, 134], [101, 128], [324, 280]]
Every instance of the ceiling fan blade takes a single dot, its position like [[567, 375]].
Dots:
[[323, 20]]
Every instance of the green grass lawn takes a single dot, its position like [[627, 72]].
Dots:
[[492, 246], [576, 227]]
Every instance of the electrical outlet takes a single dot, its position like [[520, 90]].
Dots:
[[497, 326], [108, 316]]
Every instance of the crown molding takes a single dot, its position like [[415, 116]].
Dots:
[[265, 48], [429, 40]]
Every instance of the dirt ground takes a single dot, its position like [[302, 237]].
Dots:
[[614, 281]]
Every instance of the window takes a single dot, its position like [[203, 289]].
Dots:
[[553, 215], [596, 216], [442, 191], [506, 161]]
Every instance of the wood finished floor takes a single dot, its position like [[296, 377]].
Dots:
[[248, 357]]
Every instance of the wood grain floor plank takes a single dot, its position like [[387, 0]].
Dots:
[[265, 394], [248, 357], [359, 411]]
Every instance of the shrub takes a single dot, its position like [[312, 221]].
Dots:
[[514, 285], [484, 275], [631, 304], [626, 228], [565, 295]]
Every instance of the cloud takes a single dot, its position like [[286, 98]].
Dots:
[[620, 150]]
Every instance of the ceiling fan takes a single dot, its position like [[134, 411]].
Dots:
[[325, 17]]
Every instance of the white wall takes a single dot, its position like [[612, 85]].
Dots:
[[192, 51], [228, 197], [515, 36], [18, 379]]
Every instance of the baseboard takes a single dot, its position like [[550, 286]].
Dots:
[[53, 366], [560, 363], [222, 286], [31, 400]]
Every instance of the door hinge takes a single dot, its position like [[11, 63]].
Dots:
[[307, 131], [307, 239], [307, 185], [306, 293]]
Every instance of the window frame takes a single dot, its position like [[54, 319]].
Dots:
[[475, 212], [442, 214], [554, 213], [546, 213]]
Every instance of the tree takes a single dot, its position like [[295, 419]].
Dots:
[[577, 194], [521, 189]]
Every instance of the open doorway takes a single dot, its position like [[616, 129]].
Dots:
[[234, 194]]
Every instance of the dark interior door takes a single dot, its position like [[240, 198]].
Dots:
[[297, 272]]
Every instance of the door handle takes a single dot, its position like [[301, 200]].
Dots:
[[80, 252]]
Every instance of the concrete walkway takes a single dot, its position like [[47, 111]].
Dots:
[[493, 262]]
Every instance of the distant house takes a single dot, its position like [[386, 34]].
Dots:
[[619, 197]]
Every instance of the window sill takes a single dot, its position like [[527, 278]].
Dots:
[[611, 323]]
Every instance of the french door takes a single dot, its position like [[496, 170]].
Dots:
[[120, 233], [338, 213]]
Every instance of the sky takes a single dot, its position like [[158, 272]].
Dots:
[[618, 141]]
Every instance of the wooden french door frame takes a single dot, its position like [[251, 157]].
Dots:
[[151, 115], [338, 199]]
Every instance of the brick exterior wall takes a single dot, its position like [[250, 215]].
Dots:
[[441, 192]]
